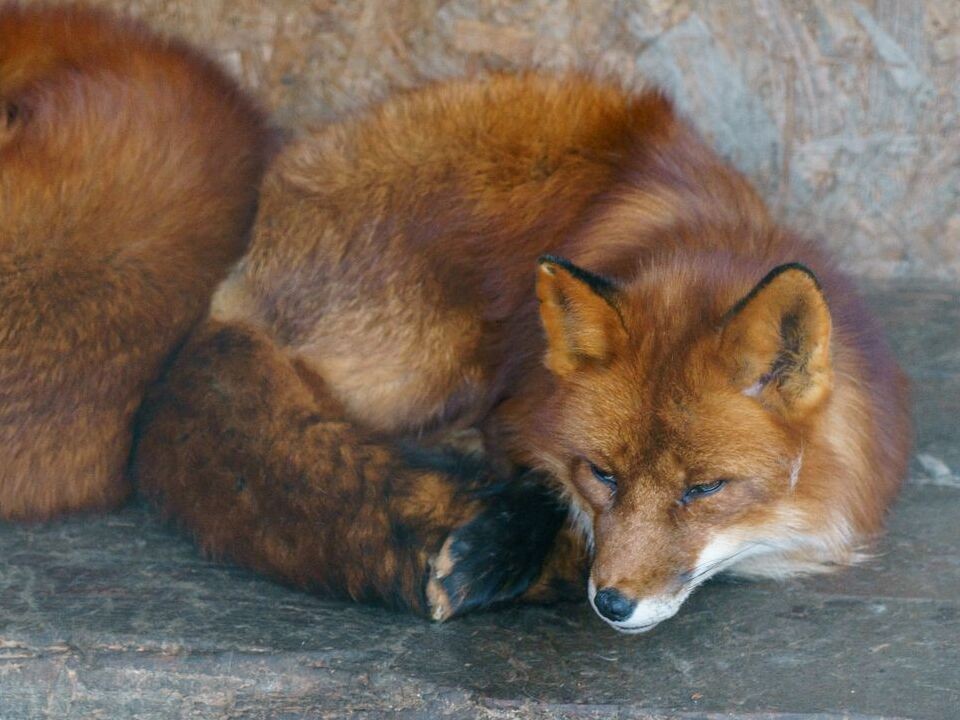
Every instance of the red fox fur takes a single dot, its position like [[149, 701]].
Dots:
[[129, 168], [570, 268]]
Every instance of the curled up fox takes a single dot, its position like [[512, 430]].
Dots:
[[513, 338]]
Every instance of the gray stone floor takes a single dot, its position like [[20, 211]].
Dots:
[[116, 617]]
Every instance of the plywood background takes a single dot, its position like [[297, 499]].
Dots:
[[845, 113]]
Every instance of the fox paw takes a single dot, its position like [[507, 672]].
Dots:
[[495, 556]]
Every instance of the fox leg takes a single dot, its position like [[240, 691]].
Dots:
[[246, 450]]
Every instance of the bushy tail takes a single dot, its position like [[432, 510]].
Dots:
[[129, 169]]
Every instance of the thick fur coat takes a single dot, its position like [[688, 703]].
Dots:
[[129, 168], [569, 268]]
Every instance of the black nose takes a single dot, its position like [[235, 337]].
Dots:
[[613, 605]]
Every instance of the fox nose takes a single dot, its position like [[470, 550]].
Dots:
[[613, 604]]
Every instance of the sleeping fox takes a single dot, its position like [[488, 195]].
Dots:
[[129, 168], [666, 383]]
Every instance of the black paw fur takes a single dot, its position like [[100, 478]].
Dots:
[[497, 555]]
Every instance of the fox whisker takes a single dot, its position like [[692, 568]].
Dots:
[[706, 568]]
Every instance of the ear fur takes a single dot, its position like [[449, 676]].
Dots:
[[10, 118], [777, 341], [579, 314]]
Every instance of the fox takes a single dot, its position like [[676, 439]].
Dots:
[[129, 171], [522, 338]]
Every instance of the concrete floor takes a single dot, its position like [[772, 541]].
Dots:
[[116, 617]]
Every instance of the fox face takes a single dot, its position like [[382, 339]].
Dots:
[[686, 410]]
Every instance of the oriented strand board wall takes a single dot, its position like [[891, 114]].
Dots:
[[844, 112]]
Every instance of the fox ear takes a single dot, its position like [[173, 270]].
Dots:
[[777, 341], [579, 314], [10, 118]]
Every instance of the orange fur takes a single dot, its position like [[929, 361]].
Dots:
[[129, 166], [395, 260]]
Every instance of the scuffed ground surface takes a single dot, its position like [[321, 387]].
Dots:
[[846, 113], [116, 617]]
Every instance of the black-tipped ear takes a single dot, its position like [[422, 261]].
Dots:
[[579, 314], [776, 341]]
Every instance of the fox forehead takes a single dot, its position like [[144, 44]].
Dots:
[[669, 416]]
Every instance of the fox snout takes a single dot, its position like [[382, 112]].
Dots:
[[635, 587], [632, 614]]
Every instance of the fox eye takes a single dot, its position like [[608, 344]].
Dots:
[[695, 491], [607, 478]]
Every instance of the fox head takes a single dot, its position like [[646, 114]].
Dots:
[[686, 410]]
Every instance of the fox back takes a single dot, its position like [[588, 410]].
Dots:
[[129, 168]]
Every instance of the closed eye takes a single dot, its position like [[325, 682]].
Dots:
[[697, 491], [607, 478]]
